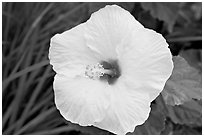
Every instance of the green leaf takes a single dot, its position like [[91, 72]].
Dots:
[[154, 124], [163, 11], [197, 8], [191, 12], [183, 85], [193, 57], [147, 20], [190, 113]]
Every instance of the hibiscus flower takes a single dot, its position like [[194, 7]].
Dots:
[[108, 70]]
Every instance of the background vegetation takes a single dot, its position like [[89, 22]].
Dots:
[[27, 94]]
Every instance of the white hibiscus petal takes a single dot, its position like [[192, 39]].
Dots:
[[81, 100], [68, 53], [106, 29], [128, 109], [144, 60], [147, 62]]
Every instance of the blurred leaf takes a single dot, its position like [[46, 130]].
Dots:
[[197, 8], [193, 57], [147, 20], [153, 125], [163, 11], [190, 113], [191, 12], [183, 85], [189, 21], [168, 130], [186, 130], [94, 6]]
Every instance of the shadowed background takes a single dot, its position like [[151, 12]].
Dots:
[[27, 94]]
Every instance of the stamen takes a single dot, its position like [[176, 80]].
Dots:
[[104, 71], [96, 71]]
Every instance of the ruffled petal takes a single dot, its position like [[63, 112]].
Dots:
[[117, 109], [106, 29], [146, 62], [81, 100], [69, 54], [128, 109]]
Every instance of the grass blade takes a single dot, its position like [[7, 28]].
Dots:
[[36, 120], [23, 72]]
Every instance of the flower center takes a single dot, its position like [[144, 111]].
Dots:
[[105, 71], [95, 71]]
